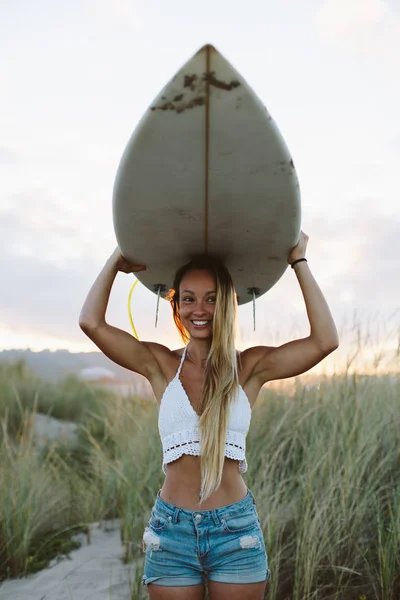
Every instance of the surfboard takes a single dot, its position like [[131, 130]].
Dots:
[[207, 170]]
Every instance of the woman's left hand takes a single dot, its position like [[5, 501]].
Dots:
[[299, 251]]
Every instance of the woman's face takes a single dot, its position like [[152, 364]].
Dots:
[[197, 294]]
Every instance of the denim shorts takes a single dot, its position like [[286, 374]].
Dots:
[[188, 547]]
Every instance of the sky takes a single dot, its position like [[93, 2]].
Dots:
[[75, 79]]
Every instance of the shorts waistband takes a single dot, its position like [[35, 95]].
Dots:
[[176, 513]]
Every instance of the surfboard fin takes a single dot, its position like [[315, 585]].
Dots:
[[254, 291], [158, 288]]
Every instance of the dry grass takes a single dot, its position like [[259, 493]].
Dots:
[[324, 466]]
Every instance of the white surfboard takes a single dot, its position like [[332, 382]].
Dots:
[[207, 170]]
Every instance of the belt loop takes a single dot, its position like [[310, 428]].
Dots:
[[176, 515], [216, 519], [252, 495]]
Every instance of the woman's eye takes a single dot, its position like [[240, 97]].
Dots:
[[211, 299], [187, 299]]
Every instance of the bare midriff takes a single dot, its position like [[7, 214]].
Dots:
[[182, 484]]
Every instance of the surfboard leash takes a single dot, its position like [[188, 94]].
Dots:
[[129, 308], [158, 289]]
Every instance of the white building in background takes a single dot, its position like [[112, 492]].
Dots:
[[138, 386], [96, 373]]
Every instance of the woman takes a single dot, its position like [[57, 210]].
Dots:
[[204, 524]]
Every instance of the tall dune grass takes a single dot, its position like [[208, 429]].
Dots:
[[326, 481], [324, 466]]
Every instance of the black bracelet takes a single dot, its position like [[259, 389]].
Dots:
[[297, 261]]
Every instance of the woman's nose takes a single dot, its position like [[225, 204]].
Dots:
[[199, 308]]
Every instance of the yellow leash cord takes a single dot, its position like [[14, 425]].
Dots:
[[129, 309]]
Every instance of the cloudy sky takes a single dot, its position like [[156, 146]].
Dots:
[[75, 79]]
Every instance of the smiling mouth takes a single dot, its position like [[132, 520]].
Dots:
[[200, 323]]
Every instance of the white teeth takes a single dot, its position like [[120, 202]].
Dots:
[[200, 323]]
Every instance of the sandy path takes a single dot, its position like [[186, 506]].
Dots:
[[94, 571]]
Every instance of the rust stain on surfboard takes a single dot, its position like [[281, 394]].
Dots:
[[189, 81], [200, 101], [199, 86], [211, 79], [179, 108]]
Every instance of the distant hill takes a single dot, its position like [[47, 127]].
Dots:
[[55, 365]]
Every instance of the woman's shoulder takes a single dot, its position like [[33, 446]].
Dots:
[[249, 358], [163, 353], [252, 354]]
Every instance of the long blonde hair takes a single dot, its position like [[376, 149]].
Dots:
[[220, 382]]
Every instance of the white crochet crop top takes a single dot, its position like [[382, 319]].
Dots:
[[178, 424]]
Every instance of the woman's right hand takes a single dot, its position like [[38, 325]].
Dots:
[[123, 265]]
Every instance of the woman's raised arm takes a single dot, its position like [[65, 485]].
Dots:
[[299, 356], [118, 345]]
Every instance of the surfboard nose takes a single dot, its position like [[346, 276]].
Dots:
[[207, 48]]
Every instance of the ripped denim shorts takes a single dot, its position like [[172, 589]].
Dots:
[[186, 547]]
